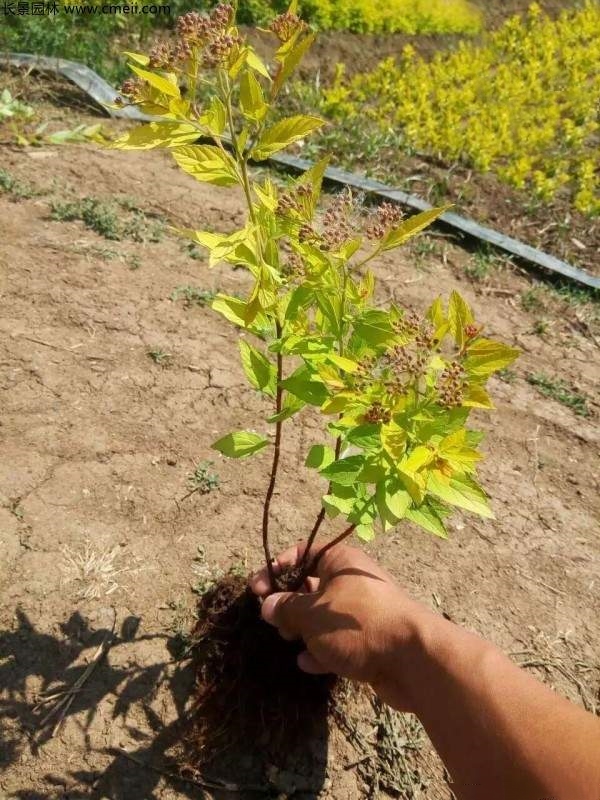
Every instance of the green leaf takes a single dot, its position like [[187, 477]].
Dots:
[[139, 58], [459, 316], [411, 227], [290, 60], [486, 356], [215, 117], [207, 163], [428, 516], [392, 502], [374, 327], [367, 437], [156, 134], [163, 85], [284, 133], [345, 471], [234, 310], [461, 491], [340, 499], [320, 456], [254, 61], [291, 406], [365, 532], [259, 370], [301, 385], [252, 99], [240, 444]]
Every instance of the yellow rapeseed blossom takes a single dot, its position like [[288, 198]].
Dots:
[[391, 16], [524, 104]]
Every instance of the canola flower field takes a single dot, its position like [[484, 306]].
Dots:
[[524, 103]]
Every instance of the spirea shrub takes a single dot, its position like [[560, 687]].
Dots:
[[395, 387]]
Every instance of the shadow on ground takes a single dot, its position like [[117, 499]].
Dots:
[[75, 676]]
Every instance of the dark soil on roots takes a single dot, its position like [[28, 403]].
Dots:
[[254, 709]]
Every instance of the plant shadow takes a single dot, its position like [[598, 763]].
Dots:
[[86, 669]]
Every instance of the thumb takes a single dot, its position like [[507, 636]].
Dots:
[[288, 612]]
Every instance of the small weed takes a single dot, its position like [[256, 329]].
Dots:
[[202, 479], [194, 252], [193, 295], [541, 326], [481, 265], [105, 219], [531, 299], [160, 357], [134, 261], [508, 376], [561, 392], [18, 190], [95, 214]]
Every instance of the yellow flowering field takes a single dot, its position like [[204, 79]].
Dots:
[[524, 104], [393, 16]]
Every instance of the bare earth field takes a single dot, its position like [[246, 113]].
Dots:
[[98, 439]]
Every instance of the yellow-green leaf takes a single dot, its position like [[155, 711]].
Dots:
[[485, 356], [165, 85], [459, 316], [284, 133], [254, 61], [411, 227], [259, 370], [139, 58], [156, 134], [252, 99], [289, 59], [461, 491], [428, 518], [207, 163], [240, 444]]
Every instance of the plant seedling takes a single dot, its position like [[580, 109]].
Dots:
[[395, 387]]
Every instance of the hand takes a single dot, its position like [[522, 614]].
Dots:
[[353, 618]]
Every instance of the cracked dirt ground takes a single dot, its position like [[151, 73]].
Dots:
[[98, 440]]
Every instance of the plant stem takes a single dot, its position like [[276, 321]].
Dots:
[[274, 467], [321, 515], [311, 569]]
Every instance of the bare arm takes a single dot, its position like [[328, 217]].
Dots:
[[501, 733]]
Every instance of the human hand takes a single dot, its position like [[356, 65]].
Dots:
[[353, 618]]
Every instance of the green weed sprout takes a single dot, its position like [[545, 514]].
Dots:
[[395, 388]]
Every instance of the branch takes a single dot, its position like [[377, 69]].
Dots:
[[274, 466], [311, 569], [321, 515]]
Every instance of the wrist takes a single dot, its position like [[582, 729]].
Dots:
[[422, 648]]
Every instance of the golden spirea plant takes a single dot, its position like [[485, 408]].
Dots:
[[395, 388]]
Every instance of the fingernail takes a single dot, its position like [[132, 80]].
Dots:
[[269, 607]]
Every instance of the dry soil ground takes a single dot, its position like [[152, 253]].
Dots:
[[98, 441]]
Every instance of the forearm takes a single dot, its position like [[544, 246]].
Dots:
[[501, 733]]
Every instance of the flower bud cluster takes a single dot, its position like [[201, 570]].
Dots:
[[132, 88], [472, 330], [286, 25], [405, 361], [337, 226], [451, 385], [294, 268], [211, 33], [290, 203], [377, 414], [388, 216]]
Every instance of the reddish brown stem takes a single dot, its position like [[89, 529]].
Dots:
[[321, 514], [312, 567], [274, 467]]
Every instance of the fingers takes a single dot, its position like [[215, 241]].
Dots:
[[290, 613], [260, 583]]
